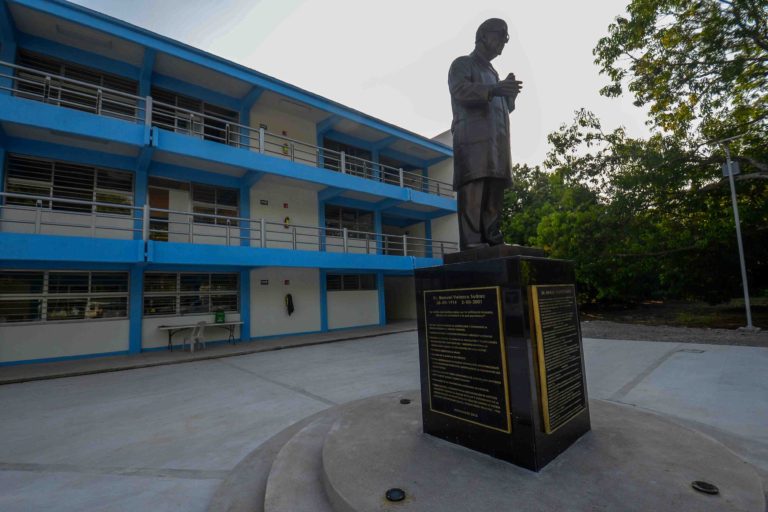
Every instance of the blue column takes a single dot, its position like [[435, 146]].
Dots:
[[140, 189], [135, 308], [245, 305], [321, 224], [382, 301], [428, 236], [7, 47], [323, 302], [376, 168], [245, 213], [2, 169], [379, 235]]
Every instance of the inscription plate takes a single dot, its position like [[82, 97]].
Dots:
[[466, 358], [558, 348]]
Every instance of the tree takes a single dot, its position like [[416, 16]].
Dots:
[[700, 65]]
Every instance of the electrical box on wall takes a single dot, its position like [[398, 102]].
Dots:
[[264, 282], [263, 202]]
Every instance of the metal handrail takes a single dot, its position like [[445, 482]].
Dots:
[[236, 134], [52, 82], [233, 230]]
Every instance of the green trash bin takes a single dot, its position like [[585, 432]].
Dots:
[[219, 317]]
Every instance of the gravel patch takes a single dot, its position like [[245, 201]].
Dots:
[[618, 331]]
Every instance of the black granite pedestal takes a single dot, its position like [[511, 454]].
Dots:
[[502, 368]]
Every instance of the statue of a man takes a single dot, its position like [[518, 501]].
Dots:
[[481, 105]]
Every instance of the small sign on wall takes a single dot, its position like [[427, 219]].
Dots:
[[263, 202], [264, 282]]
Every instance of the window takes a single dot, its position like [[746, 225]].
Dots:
[[177, 113], [72, 95], [60, 180], [338, 217], [35, 296], [349, 282], [355, 156], [209, 200], [189, 293]]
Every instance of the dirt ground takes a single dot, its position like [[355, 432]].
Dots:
[[622, 331], [679, 322]]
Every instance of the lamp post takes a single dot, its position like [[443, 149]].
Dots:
[[745, 286]]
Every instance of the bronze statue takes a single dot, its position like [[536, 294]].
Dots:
[[481, 105]]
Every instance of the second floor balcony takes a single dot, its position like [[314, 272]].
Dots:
[[45, 215]]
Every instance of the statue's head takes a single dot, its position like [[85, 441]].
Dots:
[[492, 35]]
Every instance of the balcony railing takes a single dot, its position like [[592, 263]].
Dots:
[[22, 213], [62, 91]]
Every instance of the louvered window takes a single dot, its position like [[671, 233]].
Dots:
[[209, 200], [358, 222], [87, 89], [191, 116], [60, 180], [189, 293], [39, 296], [350, 282]]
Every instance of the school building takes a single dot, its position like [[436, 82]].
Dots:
[[147, 185]]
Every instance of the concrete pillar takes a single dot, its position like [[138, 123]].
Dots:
[[323, 302], [245, 305], [135, 308], [382, 301]]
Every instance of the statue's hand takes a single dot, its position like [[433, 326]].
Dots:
[[508, 87]]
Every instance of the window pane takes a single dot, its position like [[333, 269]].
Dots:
[[113, 307], [68, 282], [203, 194], [224, 282], [227, 197], [18, 283], [206, 211], [194, 304], [73, 182], [159, 306], [109, 282], [367, 282], [195, 282], [333, 282], [223, 302], [351, 282], [159, 282], [20, 310], [66, 309]]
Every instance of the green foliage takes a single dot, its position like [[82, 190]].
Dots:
[[641, 219], [652, 218], [700, 65]]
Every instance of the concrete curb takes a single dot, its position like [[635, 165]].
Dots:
[[189, 358]]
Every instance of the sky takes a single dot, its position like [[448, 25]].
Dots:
[[390, 59]]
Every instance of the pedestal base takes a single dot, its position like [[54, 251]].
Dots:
[[501, 360]]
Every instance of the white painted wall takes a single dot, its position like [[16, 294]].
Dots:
[[446, 228], [296, 128], [400, 298], [17, 220], [61, 339], [302, 210], [268, 313], [442, 171], [153, 337], [352, 308]]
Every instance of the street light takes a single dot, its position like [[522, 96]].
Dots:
[[745, 286]]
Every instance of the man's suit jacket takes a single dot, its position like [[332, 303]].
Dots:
[[480, 123]]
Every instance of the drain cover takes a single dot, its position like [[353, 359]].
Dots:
[[705, 487], [395, 494]]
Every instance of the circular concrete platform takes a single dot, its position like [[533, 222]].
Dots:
[[346, 458]]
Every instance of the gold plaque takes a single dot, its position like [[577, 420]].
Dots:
[[557, 337]]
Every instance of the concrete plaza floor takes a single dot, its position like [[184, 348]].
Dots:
[[163, 438]]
